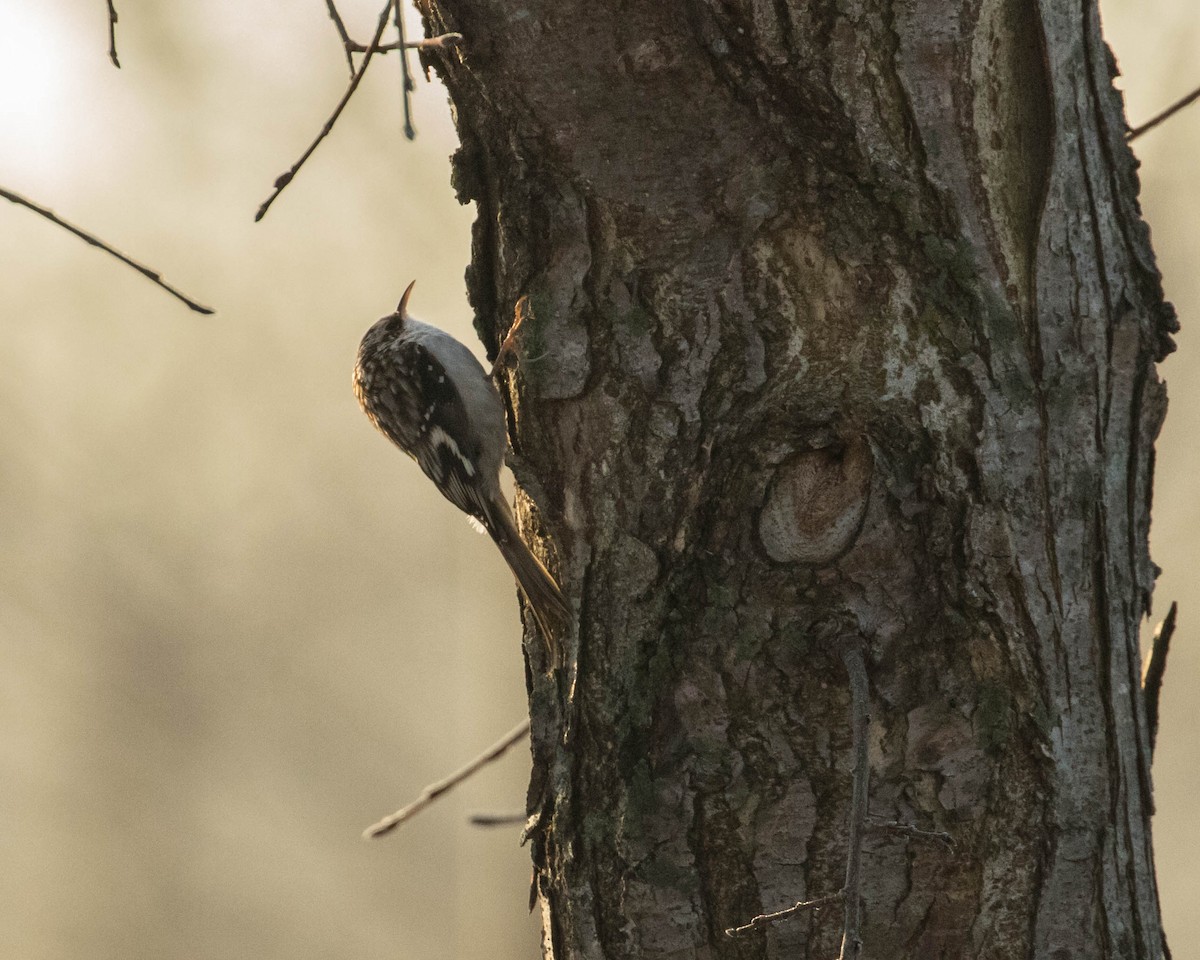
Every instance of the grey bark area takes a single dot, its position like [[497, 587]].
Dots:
[[845, 329]]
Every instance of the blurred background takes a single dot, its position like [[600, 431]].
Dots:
[[236, 626]]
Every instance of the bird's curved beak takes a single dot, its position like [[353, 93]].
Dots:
[[402, 307]]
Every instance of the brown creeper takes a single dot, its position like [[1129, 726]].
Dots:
[[426, 392]]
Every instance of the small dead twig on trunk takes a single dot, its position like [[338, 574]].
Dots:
[[350, 47], [764, 919], [1156, 667], [152, 275], [497, 819], [851, 893], [443, 41], [435, 790], [907, 830], [856, 669], [1163, 116], [521, 312]]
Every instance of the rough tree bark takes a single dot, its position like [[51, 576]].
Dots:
[[846, 324]]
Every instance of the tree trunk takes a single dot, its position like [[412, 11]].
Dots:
[[845, 329]]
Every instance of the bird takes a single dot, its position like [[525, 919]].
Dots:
[[425, 391]]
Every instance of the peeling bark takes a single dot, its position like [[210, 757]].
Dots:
[[843, 312]]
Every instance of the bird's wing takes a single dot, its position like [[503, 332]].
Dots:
[[443, 442]]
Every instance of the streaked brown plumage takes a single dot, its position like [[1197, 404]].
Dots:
[[426, 392]]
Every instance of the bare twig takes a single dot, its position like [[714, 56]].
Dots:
[[764, 919], [1165, 115], [850, 894], [435, 790], [856, 668], [112, 35], [895, 826], [95, 241], [341, 29], [1156, 666], [351, 47], [285, 178], [521, 312], [443, 41], [496, 819], [406, 81]]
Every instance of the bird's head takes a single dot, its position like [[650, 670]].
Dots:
[[389, 327]]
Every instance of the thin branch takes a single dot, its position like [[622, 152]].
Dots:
[[856, 668], [496, 819], [341, 29], [95, 241], [765, 919], [851, 894], [895, 826], [521, 312], [112, 35], [285, 178], [1156, 667], [443, 41], [350, 47], [435, 790], [1165, 115], [406, 81]]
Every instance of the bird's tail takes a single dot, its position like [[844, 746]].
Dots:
[[546, 600]]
